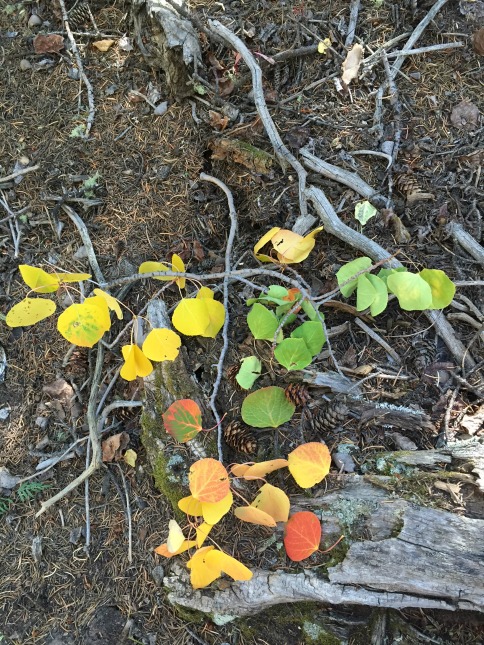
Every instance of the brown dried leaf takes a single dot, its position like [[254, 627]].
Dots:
[[225, 86], [478, 41], [255, 159], [198, 252], [465, 115], [452, 489], [114, 446], [48, 44], [351, 64], [218, 121], [103, 45]]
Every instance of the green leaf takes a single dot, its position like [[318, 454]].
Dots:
[[276, 291], [365, 293], [349, 270], [309, 310], [442, 288], [262, 322], [249, 372], [267, 408], [380, 301], [312, 333], [413, 293], [293, 354], [384, 273], [364, 211], [281, 312]]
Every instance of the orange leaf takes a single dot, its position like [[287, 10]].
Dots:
[[183, 420], [209, 481], [254, 516], [302, 535], [309, 463], [258, 471], [163, 548], [208, 564]]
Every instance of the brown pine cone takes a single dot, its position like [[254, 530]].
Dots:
[[79, 15], [230, 374], [239, 437], [297, 393], [329, 417], [423, 354], [408, 185]]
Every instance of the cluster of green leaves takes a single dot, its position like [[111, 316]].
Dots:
[[26, 491], [428, 289]]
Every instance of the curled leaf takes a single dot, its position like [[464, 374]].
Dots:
[[136, 364]]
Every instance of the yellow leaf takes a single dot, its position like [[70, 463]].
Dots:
[[191, 317], [254, 516], [205, 292], [274, 501], [257, 471], [208, 564], [323, 45], [38, 280], [291, 247], [161, 345], [163, 548], [177, 264], [103, 45], [214, 511], [309, 463], [150, 267], [175, 536], [84, 324], [130, 457], [202, 533], [29, 311], [72, 277], [216, 314], [262, 242], [190, 506], [111, 302], [136, 364]]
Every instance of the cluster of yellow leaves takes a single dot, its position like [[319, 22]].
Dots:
[[161, 344], [211, 499], [290, 247]]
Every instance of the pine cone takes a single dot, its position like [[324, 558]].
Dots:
[[77, 366], [423, 354], [79, 15], [328, 418], [297, 393], [239, 437], [408, 185], [230, 374]]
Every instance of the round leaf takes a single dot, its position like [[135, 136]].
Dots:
[[349, 270], [209, 481], [267, 408], [274, 501], [312, 333], [162, 345], [413, 293], [293, 354], [29, 311], [380, 301], [364, 211], [249, 372], [183, 420], [309, 463], [365, 293], [84, 324], [191, 317], [302, 535], [262, 322], [443, 289]]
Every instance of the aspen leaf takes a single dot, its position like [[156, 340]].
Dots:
[[216, 314], [161, 345], [254, 516], [351, 64], [293, 354], [130, 457], [183, 420], [302, 535], [262, 242], [199, 317], [309, 463], [364, 211], [84, 324], [212, 512], [249, 372], [135, 363], [291, 247], [208, 564], [262, 322], [208, 480], [323, 45], [412, 291], [103, 45], [202, 533], [442, 288], [72, 277], [347, 271], [163, 548], [365, 293], [258, 471], [177, 264], [112, 303], [190, 506], [274, 501], [175, 536], [380, 300], [38, 280], [29, 311], [205, 292], [312, 333], [267, 408]]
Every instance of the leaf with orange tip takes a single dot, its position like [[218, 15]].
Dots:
[[302, 535], [209, 563], [175, 536], [273, 501], [254, 516], [163, 548], [213, 512], [208, 480], [258, 471], [309, 463], [183, 420], [190, 506]]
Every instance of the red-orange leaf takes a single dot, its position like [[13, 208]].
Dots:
[[302, 535], [183, 420], [209, 481]]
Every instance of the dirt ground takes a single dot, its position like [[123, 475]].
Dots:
[[135, 184]]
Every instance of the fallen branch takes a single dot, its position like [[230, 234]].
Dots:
[[17, 173], [464, 239]]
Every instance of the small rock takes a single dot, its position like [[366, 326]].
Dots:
[[34, 21], [7, 480], [81, 253], [158, 573], [161, 108], [25, 65], [465, 115], [37, 549], [42, 422], [4, 413]]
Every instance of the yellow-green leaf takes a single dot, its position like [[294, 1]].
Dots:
[[136, 364], [29, 311], [191, 317], [111, 302], [130, 457], [38, 280], [84, 324], [161, 345], [323, 45]]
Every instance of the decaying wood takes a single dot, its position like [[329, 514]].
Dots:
[[464, 239], [171, 44]]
